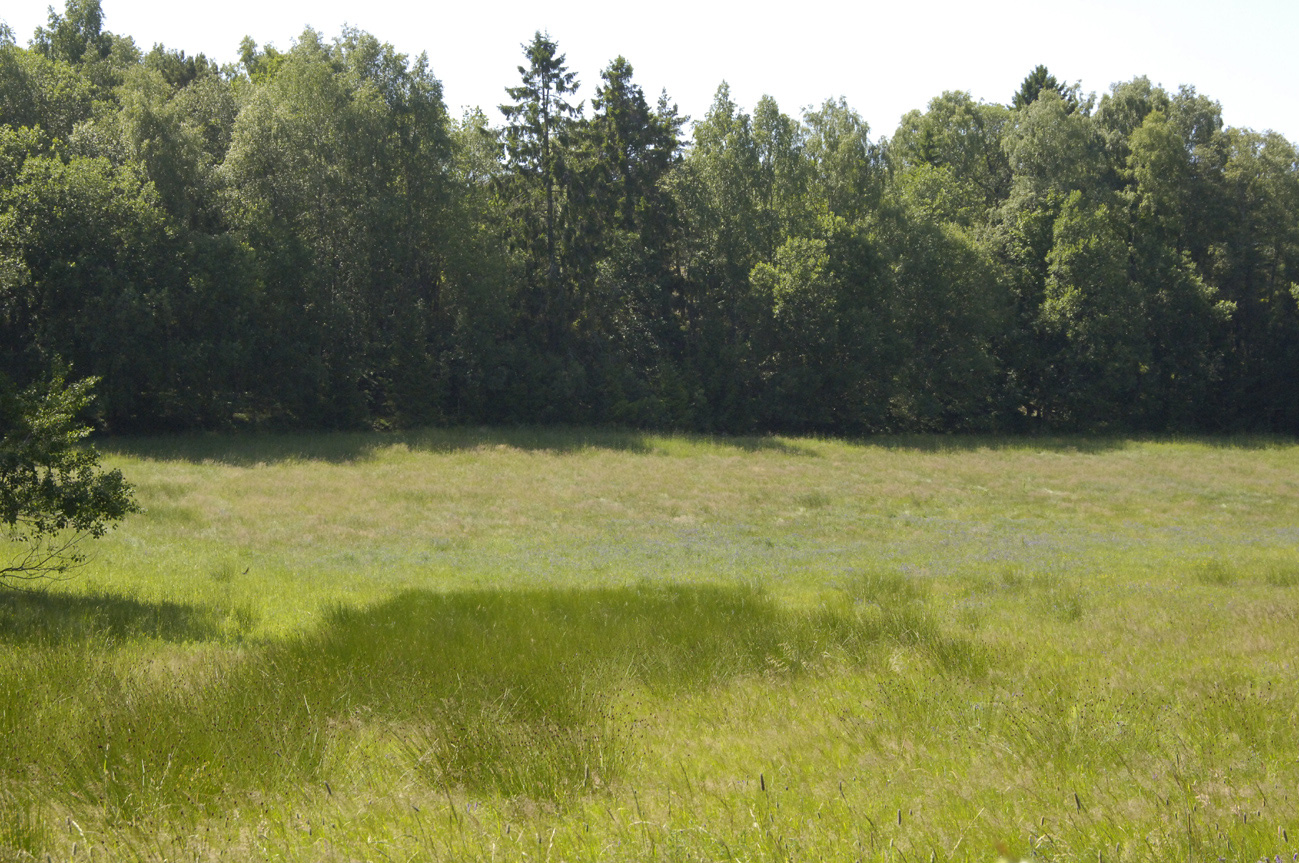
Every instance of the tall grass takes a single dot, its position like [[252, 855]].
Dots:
[[596, 646], [512, 693]]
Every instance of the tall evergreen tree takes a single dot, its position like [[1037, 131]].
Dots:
[[619, 244], [1037, 81], [539, 120]]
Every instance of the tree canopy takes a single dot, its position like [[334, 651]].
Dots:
[[307, 239]]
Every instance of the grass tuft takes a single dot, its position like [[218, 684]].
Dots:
[[1283, 574], [23, 834], [1218, 573]]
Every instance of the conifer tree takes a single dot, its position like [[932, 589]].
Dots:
[[538, 119], [1038, 80]]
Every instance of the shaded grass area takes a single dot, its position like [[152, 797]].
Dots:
[[51, 619], [509, 693], [1226, 573], [344, 447]]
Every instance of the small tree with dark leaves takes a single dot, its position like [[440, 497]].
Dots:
[[53, 493]]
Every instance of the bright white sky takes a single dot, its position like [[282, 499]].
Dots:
[[884, 57]]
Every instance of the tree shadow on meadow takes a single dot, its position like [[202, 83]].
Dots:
[[251, 449], [499, 692], [46, 617], [1082, 444], [518, 692], [255, 448], [515, 692]]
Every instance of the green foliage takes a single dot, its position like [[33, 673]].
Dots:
[[804, 297], [177, 69], [87, 267], [800, 288], [945, 306], [347, 221], [39, 92], [77, 38], [961, 140], [52, 492], [77, 35], [844, 164], [1052, 149], [307, 240], [1091, 306]]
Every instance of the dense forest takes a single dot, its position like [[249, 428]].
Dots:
[[307, 239]]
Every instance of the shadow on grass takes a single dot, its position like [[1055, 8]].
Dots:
[[514, 693], [1066, 444], [246, 450], [51, 618], [249, 449]]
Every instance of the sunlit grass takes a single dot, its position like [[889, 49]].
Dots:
[[577, 645]]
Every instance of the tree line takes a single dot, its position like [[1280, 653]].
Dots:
[[307, 239]]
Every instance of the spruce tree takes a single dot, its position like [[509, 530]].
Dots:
[[538, 125]]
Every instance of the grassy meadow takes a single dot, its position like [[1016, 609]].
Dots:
[[578, 646]]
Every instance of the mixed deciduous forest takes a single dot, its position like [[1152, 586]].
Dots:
[[306, 239]]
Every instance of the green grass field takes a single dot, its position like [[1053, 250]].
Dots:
[[567, 645]]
